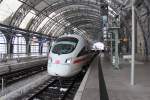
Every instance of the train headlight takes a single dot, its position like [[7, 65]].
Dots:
[[69, 60]]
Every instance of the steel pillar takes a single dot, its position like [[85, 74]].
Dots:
[[2, 86], [116, 50], [133, 44]]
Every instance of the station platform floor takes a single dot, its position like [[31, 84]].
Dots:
[[103, 82], [21, 60]]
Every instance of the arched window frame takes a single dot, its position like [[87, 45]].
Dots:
[[19, 46], [3, 45], [45, 48], [34, 46]]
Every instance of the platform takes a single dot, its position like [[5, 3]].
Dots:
[[14, 65], [118, 81], [115, 84], [21, 59], [89, 88]]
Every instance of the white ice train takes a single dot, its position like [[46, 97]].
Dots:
[[68, 55]]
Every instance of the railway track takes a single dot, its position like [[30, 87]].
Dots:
[[55, 89], [15, 76]]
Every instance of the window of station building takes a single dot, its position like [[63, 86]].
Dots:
[[19, 46], [45, 48], [34, 47], [3, 44]]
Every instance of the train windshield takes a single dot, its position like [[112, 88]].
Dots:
[[69, 39], [64, 45]]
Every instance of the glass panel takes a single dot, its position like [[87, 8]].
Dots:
[[19, 46], [3, 44], [7, 8], [45, 48], [3, 48], [42, 24], [34, 47], [27, 20]]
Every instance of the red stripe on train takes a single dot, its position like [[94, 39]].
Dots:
[[57, 62], [79, 60]]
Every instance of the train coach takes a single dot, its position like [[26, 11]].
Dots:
[[68, 55]]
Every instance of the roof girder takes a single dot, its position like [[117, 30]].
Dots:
[[49, 24], [24, 9], [74, 21]]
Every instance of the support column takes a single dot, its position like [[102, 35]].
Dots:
[[10, 48], [2, 84], [28, 46], [116, 50], [111, 49], [40, 48], [133, 44]]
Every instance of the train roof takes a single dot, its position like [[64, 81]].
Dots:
[[73, 35]]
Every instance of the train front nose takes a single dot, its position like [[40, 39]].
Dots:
[[58, 70], [61, 65]]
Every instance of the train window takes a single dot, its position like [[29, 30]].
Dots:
[[71, 39], [63, 47]]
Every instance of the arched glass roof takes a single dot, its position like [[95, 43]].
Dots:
[[52, 16]]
